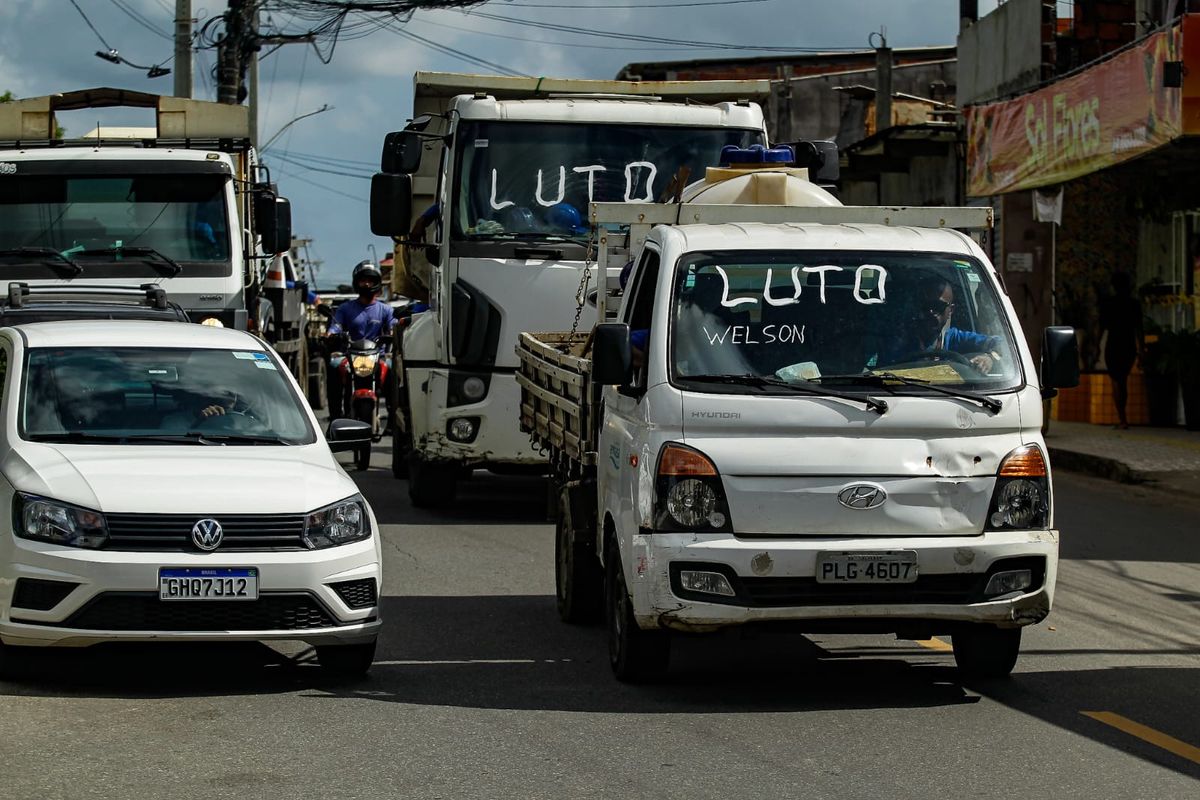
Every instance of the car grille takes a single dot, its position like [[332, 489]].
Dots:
[[356, 594], [932, 589], [40, 595], [174, 531], [143, 611]]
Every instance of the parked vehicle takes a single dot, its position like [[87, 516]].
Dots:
[[498, 173], [168, 482], [782, 443], [184, 204]]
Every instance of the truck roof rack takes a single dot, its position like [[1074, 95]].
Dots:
[[151, 294]]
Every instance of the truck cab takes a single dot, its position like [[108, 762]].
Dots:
[[500, 178]]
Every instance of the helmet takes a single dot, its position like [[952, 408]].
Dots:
[[367, 273], [565, 217]]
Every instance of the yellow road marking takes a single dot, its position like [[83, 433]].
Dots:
[[1156, 738], [935, 644]]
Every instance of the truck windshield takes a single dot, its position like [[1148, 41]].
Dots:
[[92, 395], [91, 218], [535, 180], [842, 319]]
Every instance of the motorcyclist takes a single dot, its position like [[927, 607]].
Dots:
[[364, 317]]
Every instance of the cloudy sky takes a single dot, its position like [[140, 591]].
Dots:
[[322, 162]]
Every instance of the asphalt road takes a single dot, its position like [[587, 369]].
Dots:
[[479, 691]]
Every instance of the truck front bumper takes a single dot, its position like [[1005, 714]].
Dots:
[[774, 580]]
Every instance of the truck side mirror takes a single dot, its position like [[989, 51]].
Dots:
[[612, 357], [401, 153], [1060, 358], [274, 215], [391, 204]]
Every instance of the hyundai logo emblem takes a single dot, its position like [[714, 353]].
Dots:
[[862, 496], [207, 535]]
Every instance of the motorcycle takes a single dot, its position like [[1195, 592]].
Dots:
[[362, 367]]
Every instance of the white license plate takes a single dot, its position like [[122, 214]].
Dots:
[[891, 566], [208, 583]]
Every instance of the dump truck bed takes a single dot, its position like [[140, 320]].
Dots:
[[557, 406]]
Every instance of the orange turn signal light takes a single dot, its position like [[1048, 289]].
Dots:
[[1024, 462], [679, 460]]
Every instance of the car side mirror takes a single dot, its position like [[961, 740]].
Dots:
[[391, 205], [612, 356], [1060, 359], [347, 434], [401, 152]]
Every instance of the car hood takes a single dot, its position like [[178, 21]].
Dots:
[[181, 479]]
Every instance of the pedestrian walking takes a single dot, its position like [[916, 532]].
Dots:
[[1121, 319]]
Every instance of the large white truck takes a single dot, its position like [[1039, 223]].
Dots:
[[814, 416], [503, 169], [183, 204]]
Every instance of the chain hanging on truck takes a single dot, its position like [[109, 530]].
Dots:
[[581, 292]]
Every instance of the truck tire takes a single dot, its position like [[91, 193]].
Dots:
[[636, 656], [401, 447], [985, 651], [579, 583], [430, 484], [316, 384]]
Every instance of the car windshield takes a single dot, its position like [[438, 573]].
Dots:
[[92, 219], [850, 320], [159, 395], [535, 180]]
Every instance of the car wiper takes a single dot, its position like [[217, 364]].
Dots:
[[155, 258], [48, 256], [881, 379], [872, 403], [234, 438], [73, 437]]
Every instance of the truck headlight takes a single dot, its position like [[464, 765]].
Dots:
[[340, 523], [690, 496], [1021, 499], [59, 523]]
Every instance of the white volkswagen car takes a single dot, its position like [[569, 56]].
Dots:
[[168, 482]]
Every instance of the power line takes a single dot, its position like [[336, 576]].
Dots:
[[494, 35], [459, 54], [299, 163], [302, 179], [140, 20], [607, 6], [90, 25]]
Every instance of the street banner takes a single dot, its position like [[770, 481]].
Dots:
[[1104, 115]]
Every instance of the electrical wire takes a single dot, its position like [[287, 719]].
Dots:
[[140, 20], [107, 46], [607, 6], [491, 34], [459, 54], [302, 179], [298, 163]]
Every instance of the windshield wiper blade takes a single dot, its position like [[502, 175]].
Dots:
[[48, 256], [872, 403], [72, 437], [234, 438], [880, 379], [155, 258]]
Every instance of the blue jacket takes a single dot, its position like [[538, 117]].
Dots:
[[360, 321], [957, 340]]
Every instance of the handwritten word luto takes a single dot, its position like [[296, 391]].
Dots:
[[858, 293], [633, 172]]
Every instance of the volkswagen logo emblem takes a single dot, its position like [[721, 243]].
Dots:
[[207, 535], [862, 496]]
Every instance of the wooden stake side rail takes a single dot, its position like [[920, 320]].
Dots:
[[556, 406]]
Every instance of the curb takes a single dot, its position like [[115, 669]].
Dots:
[[1098, 466]]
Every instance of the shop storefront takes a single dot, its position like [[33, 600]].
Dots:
[[1093, 177]]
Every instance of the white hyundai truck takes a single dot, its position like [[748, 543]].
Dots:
[[811, 416], [498, 172]]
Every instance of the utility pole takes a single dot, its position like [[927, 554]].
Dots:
[[232, 51], [883, 84], [183, 48], [252, 55]]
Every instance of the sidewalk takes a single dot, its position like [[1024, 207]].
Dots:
[[1168, 457]]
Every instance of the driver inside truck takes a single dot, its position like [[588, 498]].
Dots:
[[930, 330]]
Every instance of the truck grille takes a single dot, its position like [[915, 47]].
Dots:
[[143, 611], [174, 531]]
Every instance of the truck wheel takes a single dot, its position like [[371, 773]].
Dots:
[[579, 583], [636, 656], [346, 661], [431, 485], [316, 384], [985, 651]]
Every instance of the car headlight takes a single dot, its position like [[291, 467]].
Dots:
[[689, 493], [363, 365], [1021, 499], [341, 523], [60, 523]]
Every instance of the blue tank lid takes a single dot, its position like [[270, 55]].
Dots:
[[756, 154]]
